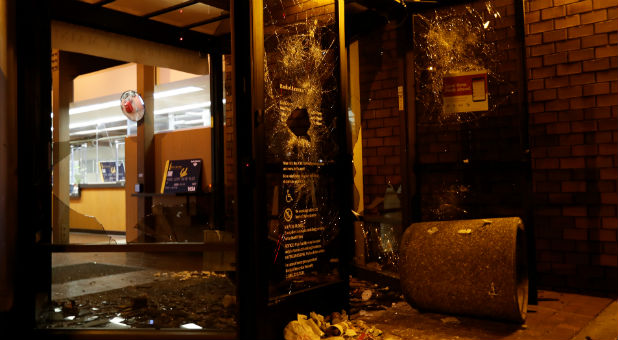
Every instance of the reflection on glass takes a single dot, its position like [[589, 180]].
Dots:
[[98, 126], [97, 161], [185, 218], [95, 157], [300, 117], [139, 290]]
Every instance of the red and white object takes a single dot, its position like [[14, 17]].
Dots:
[[465, 92], [132, 105]]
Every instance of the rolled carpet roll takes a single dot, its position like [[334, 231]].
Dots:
[[467, 267]]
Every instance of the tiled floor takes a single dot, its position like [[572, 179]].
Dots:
[[148, 263]]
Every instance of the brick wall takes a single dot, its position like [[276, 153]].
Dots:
[[380, 115], [479, 168], [571, 49]]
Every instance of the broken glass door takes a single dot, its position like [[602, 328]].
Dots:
[[302, 147]]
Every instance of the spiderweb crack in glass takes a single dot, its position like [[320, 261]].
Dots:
[[300, 120], [459, 40]]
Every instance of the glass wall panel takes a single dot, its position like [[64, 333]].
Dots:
[[471, 122], [181, 276], [181, 101], [301, 109]]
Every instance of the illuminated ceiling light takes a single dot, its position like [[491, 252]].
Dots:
[[94, 107], [188, 122], [194, 113], [105, 105], [182, 108], [111, 119], [88, 132], [190, 326], [175, 92]]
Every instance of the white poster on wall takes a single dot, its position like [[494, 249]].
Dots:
[[465, 92]]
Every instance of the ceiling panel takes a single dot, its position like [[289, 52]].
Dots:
[[215, 28], [141, 7], [190, 15]]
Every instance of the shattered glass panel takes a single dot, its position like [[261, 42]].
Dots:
[[301, 103], [183, 218], [455, 44], [139, 290], [149, 287], [471, 157], [88, 156], [377, 243]]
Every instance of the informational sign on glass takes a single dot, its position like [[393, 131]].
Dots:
[[301, 107], [465, 92]]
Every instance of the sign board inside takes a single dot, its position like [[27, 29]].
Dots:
[[465, 92], [181, 176], [111, 171]]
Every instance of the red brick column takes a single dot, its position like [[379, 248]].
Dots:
[[380, 115]]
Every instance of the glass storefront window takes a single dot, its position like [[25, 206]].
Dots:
[[168, 269], [98, 128], [300, 90], [97, 161]]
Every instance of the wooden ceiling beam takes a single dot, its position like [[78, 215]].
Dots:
[[207, 21], [222, 4], [103, 2], [81, 13], [170, 8]]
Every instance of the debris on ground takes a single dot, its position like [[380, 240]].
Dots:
[[174, 299], [336, 326], [450, 319], [367, 296]]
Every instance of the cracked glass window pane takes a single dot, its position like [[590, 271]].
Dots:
[[188, 288], [457, 47], [471, 157], [301, 103]]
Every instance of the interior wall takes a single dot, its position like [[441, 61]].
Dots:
[[106, 205], [113, 80], [166, 75], [180, 144]]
